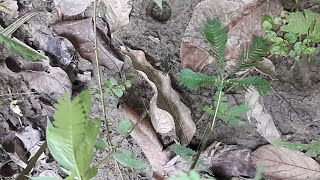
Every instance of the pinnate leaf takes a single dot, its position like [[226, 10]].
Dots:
[[193, 80], [262, 86], [183, 152]]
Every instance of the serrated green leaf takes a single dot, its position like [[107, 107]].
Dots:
[[20, 49], [127, 159], [159, 3], [100, 145], [193, 80], [290, 37], [183, 152], [73, 135], [217, 37], [262, 86], [124, 127]]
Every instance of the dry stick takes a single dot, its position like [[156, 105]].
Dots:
[[100, 84], [125, 137], [32, 162]]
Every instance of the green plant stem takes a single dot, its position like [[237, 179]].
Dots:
[[206, 137], [100, 84]]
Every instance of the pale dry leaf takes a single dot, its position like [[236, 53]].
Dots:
[[80, 33], [161, 120], [15, 107], [41, 76], [72, 7], [117, 13], [266, 67], [283, 163], [259, 115], [168, 99], [147, 139], [241, 19], [10, 7]]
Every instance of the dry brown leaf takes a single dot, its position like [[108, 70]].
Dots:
[[147, 139], [8, 169], [266, 67], [80, 34], [260, 116], [167, 99], [117, 13], [72, 7], [241, 19], [283, 163]]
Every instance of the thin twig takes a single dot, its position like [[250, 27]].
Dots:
[[100, 84]]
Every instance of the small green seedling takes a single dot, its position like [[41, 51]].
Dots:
[[113, 88]]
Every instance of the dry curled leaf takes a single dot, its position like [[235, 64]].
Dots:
[[266, 67], [80, 34], [283, 163], [147, 139], [72, 7], [167, 98], [241, 19], [117, 13], [259, 115]]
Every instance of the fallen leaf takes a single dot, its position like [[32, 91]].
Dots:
[[284, 163], [167, 98], [266, 67], [232, 161], [241, 19], [259, 115], [72, 7], [80, 34], [15, 108], [117, 13], [10, 7], [8, 169], [40, 76], [147, 139]]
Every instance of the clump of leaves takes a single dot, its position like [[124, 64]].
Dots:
[[72, 137], [217, 37], [297, 35], [113, 88], [309, 149]]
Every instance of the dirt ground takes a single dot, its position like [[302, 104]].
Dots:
[[293, 101]]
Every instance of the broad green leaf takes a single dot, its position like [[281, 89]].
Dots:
[[127, 159], [72, 139], [100, 145], [266, 18], [266, 26], [217, 37], [118, 92], [108, 84], [91, 173], [113, 81], [184, 152], [298, 47], [271, 36], [20, 49], [124, 127], [292, 53], [290, 37], [159, 3], [277, 20], [193, 80], [279, 40]]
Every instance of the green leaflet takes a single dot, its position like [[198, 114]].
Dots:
[[124, 127], [297, 23], [262, 86], [159, 3], [183, 152], [127, 159], [312, 148], [217, 37], [72, 139], [193, 80]]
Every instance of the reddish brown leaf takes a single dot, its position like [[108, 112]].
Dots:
[[167, 98], [80, 34], [241, 19], [284, 163]]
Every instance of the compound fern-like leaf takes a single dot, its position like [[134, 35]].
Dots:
[[262, 86], [72, 138], [311, 148], [193, 80], [217, 37], [298, 23]]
